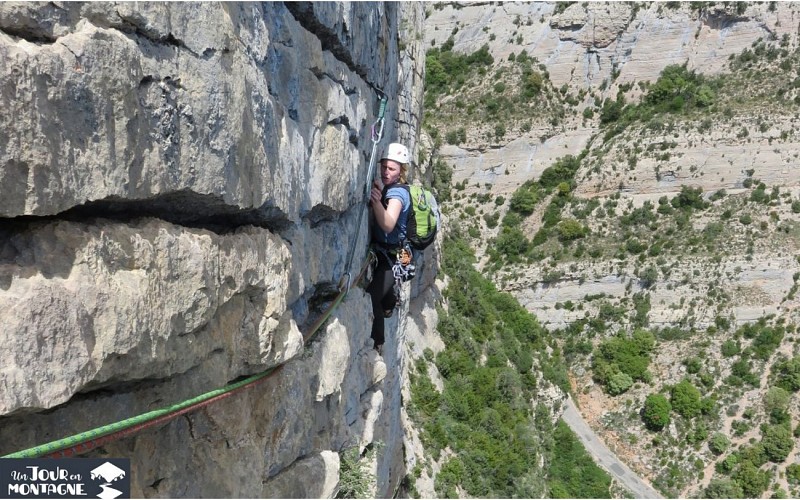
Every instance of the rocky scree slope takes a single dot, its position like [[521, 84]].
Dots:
[[675, 216], [181, 187]]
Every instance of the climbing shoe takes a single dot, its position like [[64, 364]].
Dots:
[[388, 313]]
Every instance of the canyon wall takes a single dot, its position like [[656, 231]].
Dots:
[[182, 187]]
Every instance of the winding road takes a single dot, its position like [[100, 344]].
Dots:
[[603, 456]]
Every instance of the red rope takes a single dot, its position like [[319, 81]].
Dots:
[[93, 444]]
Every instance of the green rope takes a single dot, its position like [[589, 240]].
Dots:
[[104, 430]]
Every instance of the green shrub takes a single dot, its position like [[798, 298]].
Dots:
[[766, 339], [723, 488], [648, 276], [689, 198], [573, 473], [622, 354], [719, 443], [491, 219], [656, 412], [563, 170], [641, 216], [776, 404], [685, 399], [693, 364], [751, 480], [511, 243], [730, 348], [612, 110], [742, 369], [570, 229], [540, 237], [442, 176], [524, 199], [793, 473], [456, 136], [531, 85], [618, 383], [552, 214], [449, 477], [777, 441], [635, 246], [354, 475], [727, 464], [678, 88], [788, 374], [499, 131]]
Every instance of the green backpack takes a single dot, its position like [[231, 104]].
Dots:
[[424, 219]]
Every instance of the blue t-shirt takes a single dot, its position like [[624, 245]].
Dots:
[[395, 192]]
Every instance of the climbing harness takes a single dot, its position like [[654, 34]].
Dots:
[[403, 270], [376, 134]]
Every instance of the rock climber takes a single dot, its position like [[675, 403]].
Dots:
[[391, 205]]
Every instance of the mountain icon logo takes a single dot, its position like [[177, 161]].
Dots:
[[109, 473]]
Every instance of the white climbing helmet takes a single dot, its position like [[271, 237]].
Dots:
[[397, 152]]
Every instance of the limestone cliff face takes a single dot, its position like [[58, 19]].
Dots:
[[181, 186], [593, 49]]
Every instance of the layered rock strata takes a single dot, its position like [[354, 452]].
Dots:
[[181, 189]]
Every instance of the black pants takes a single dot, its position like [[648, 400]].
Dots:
[[381, 290]]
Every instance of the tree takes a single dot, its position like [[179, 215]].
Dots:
[[630, 356], [776, 404], [723, 488], [789, 374], [690, 198], [524, 199], [777, 441], [563, 170], [656, 412], [449, 477], [619, 383], [718, 443], [354, 476], [793, 473], [570, 229], [751, 480], [512, 243], [685, 399], [572, 472], [648, 277]]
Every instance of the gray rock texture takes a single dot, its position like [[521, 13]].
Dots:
[[182, 185]]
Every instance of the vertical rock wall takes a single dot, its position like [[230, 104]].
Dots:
[[181, 185]]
